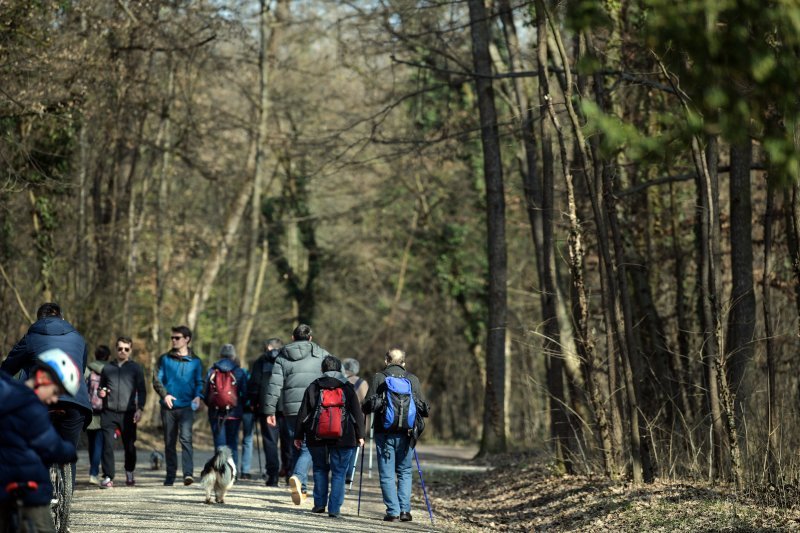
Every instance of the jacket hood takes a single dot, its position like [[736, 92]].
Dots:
[[226, 365], [337, 375], [51, 325], [96, 365], [294, 351], [330, 380], [12, 395], [271, 355]]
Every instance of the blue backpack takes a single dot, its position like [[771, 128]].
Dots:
[[400, 412]]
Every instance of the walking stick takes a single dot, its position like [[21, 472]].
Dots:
[[353, 473], [360, 482], [371, 434], [424, 492]]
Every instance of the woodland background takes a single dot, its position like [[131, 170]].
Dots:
[[580, 218]]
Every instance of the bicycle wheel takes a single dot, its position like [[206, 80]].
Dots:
[[61, 477]]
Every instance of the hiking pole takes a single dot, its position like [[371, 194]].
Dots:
[[371, 434], [422, 481], [360, 482], [353, 473]]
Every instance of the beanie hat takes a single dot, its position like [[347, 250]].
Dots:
[[227, 351], [350, 365]]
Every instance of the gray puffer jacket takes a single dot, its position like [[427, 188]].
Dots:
[[298, 364]]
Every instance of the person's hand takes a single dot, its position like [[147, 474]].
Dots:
[[361, 443], [197, 401], [168, 399], [272, 422], [137, 416], [298, 443]]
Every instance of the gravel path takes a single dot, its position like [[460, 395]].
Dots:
[[250, 506]]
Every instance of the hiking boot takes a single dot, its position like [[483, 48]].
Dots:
[[169, 482], [405, 517], [94, 480], [319, 510], [390, 518], [106, 483], [272, 481], [246, 476], [129, 481], [295, 486], [331, 515], [188, 480]]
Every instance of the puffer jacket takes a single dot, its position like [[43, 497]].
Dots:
[[178, 375], [45, 334], [298, 364], [354, 418], [228, 365], [28, 441], [126, 392]]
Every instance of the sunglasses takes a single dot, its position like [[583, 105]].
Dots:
[[123, 349], [177, 338]]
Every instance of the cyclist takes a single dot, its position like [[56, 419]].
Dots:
[[28, 441]]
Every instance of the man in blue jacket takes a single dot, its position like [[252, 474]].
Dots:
[[178, 380], [28, 441], [51, 331]]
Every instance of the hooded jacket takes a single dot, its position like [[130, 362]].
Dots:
[[257, 385], [45, 334], [298, 364], [126, 387], [354, 418], [28, 441], [178, 375], [228, 365]]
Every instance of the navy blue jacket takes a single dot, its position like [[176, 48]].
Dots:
[[179, 375], [28, 441], [45, 334], [227, 365]]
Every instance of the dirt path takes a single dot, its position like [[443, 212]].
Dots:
[[250, 505]]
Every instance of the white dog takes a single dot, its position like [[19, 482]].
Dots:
[[218, 475]]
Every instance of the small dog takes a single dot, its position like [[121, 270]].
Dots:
[[218, 475], [156, 460]]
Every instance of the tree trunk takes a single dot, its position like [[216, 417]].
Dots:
[[494, 437], [773, 418]]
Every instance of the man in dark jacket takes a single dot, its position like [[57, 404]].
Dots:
[[29, 444], [332, 454], [297, 365], [124, 394], [260, 374], [178, 380], [51, 331], [395, 447], [225, 422]]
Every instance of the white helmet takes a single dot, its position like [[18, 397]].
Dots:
[[61, 368]]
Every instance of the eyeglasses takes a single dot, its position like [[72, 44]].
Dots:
[[179, 337], [123, 349]]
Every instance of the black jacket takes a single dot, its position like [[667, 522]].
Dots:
[[258, 382], [354, 425], [126, 387], [374, 401]]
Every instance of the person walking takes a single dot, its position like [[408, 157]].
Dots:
[[178, 380], [260, 374], [95, 430], [248, 418], [331, 423], [351, 367], [224, 393], [124, 395], [297, 365], [51, 331], [394, 446]]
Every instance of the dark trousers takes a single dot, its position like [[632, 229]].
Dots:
[[110, 421], [178, 423], [286, 445], [270, 436], [69, 422]]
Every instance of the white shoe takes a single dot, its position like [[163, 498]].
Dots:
[[295, 486], [94, 480]]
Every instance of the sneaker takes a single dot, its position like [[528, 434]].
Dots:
[[188, 480], [294, 486], [319, 510], [94, 480], [106, 483], [129, 481], [331, 515], [272, 481], [390, 518], [405, 517]]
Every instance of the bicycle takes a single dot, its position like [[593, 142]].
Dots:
[[18, 522], [61, 478]]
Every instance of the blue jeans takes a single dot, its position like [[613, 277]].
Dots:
[[336, 461], [226, 433], [178, 421], [394, 459], [270, 437], [247, 442], [95, 450], [300, 459]]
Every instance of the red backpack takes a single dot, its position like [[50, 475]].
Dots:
[[93, 384], [223, 392], [329, 418]]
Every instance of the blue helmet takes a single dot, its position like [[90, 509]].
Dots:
[[61, 368]]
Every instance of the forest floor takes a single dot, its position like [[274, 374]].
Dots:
[[520, 493]]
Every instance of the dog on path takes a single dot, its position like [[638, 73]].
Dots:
[[156, 460], [218, 475]]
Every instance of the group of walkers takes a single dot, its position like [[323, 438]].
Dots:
[[308, 406]]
